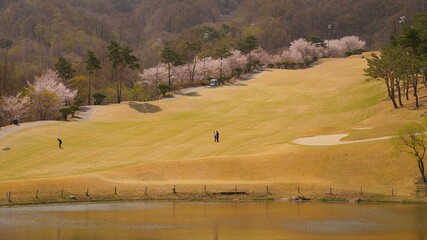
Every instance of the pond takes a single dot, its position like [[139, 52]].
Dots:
[[214, 220]]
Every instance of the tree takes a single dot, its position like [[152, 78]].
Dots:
[[388, 68], [14, 108], [92, 64], [221, 53], [65, 112], [48, 94], [171, 58], [411, 139], [5, 46], [64, 69], [192, 49], [121, 58], [246, 46]]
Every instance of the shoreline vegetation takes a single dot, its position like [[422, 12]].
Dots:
[[244, 194]]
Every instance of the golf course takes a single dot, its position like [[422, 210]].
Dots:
[[125, 149]]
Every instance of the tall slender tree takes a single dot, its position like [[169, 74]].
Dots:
[[246, 46], [171, 58], [121, 58], [221, 53], [92, 64], [5, 46], [192, 50]]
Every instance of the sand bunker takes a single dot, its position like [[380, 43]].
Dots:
[[331, 140]]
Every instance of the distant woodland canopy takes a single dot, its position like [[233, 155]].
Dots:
[[38, 32]]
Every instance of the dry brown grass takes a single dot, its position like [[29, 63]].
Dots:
[[167, 142]]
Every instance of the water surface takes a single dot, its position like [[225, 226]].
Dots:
[[213, 220]]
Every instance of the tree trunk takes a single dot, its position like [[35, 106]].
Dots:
[[5, 74], [407, 90], [89, 95], [390, 89], [421, 168], [415, 83], [399, 94], [169, 75]]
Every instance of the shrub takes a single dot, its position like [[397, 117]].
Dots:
[[74, 109], [164, 88], [238, 71], [65, 111]]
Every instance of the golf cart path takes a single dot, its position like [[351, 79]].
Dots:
[[84, 115], [332, 140]]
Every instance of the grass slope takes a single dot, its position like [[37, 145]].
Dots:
[[170, 141]]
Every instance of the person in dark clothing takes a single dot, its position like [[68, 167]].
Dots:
[[59, 142], [217, 136], [214, 135]]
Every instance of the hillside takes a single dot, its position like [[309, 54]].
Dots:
[[41, 31], [163, 143]]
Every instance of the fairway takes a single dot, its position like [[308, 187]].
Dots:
[[170, 141]]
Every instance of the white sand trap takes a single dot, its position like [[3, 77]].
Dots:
[[362, 128], [331, 140]]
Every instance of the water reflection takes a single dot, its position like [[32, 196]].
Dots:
[[217, 220]]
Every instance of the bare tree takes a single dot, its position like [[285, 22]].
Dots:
[[412, 139]]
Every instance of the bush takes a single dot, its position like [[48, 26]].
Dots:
[[74, 109], [164, 88], [65, 111], [99, 97], [221, 80], [355, 52]]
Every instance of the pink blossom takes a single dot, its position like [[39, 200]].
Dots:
[[14, 107], [48, 94]]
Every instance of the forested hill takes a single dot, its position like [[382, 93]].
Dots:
[[42, 30]]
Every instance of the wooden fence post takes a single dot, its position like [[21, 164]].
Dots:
[[268, 192], [206, 190], [361, 191], [62, 193], [115, 190], [174, 189], [330, 191], [236, 189], [145, 192], [87, 192]]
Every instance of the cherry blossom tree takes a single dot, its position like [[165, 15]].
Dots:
[[308, 50], [339, 47], [236, 60], [48, 94], [352, 43], [14, 108]]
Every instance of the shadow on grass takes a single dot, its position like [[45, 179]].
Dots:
[[191, 94], [83, 109], [144, 107]]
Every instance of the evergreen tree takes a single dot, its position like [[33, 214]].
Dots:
[[92, 64], [246, 46], [121, 58], [171, 58], [64, 69], [5, 46]]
